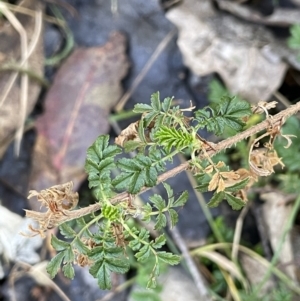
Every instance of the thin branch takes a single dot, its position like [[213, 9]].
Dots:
[[274, 121]]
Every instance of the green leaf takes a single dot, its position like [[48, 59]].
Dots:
[[54, 265], [151, 284], [173, 217], [238, 186], [151, 176], [142, 108], [159, 242], [155, 101], [229, 111], [144, 253], [66, 230], [58, 244], [80, 246], [68, 271], [234, 202], [134, 245], [203, 187], [216, 199], [167, 104], [169, 190], [132, 145], [170, 137], [168, 258], [161, 221], [181, 200], [147, 209], [100, 270], [136, 173], [144, 234], [118, 265], [158, 202], [69, 255]]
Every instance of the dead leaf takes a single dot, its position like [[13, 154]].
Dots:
[[128, 134], [212, 41], [12, 112], [77, 105]]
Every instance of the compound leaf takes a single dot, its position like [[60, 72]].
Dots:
[[68, 270], [54, 265], [168, 258], [234, 202], [216, 199]]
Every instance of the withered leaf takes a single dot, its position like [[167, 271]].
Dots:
[[77, 105]]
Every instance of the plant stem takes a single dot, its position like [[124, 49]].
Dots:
[[275, 121]]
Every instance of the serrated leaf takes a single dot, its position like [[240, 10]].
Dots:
[[238, 186], [122, 181], [144, 253], [134, 245], [80, 246], [97, 253], [181, 200], [151, 176], [132, 145], [144, 234], [169, 190], [216, 199], [161, 221], [167, 104], [66, 230], [128, 165], [155, 101], [202, 187], [69, 255], [173, 217], [151, 284], [234, 202], [117, 265], [142, 108], [147, 209], [158, 201], [150, 117], [68, 270], [58, 244], [54, 265], [168, 258], [159, 241], [101, 271]]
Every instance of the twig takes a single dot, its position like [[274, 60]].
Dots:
[[276, 120], [161, 46], [198, 278]]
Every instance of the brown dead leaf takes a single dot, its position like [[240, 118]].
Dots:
[[128, 134], [12, 111], [77, 105], [242, 54], [214, 182]]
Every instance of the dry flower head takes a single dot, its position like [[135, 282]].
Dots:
[[58, 200]]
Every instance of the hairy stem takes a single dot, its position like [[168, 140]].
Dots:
[[274, 122]]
